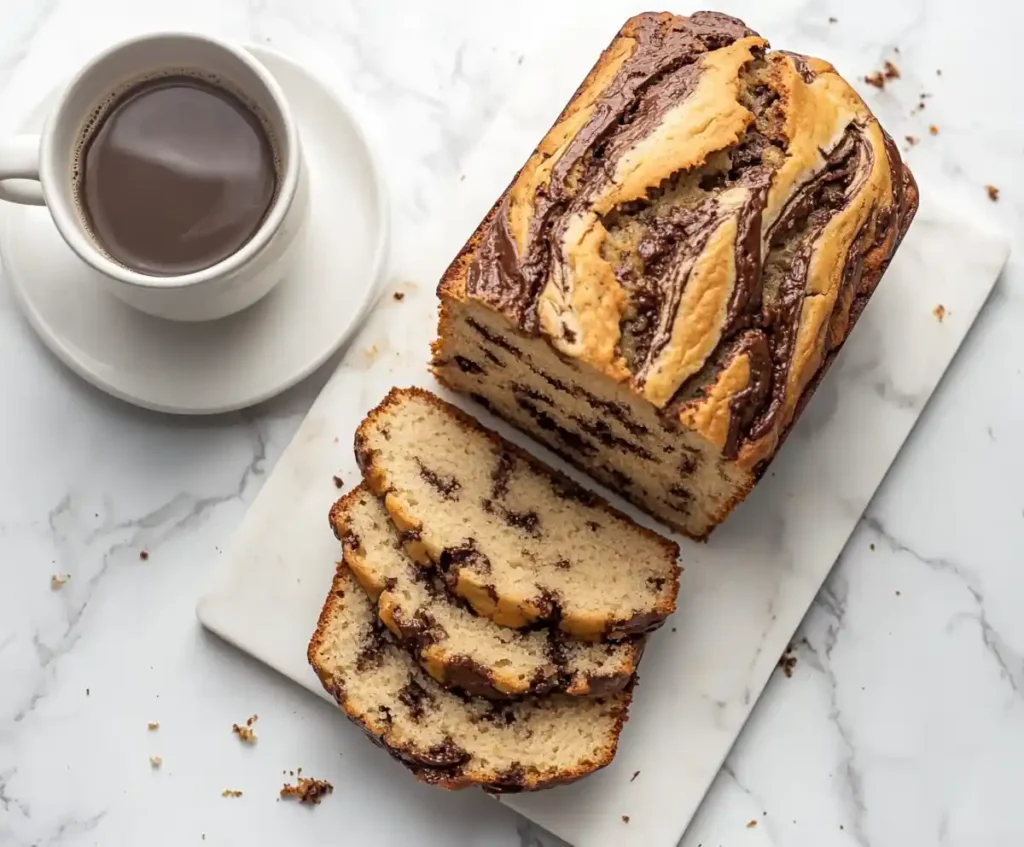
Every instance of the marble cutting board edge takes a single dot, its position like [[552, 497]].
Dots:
[[742, 595]]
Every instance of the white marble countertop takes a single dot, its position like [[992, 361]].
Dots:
[[903, 721]]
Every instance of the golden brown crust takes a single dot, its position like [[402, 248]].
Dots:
[[515, 613]]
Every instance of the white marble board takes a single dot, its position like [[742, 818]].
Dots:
[[742, 595]]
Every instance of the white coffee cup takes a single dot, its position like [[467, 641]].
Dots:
[[38, 170]]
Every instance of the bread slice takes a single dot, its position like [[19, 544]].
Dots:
[[443, 738], [455, 646], [518, 541]]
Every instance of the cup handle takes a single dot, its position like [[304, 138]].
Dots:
[[19, 160]]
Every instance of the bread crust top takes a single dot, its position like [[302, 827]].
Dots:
[[697, 224]]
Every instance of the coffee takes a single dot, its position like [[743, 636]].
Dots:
[[174, 174]]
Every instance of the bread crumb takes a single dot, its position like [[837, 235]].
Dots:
[[246, 733], [230, 792], [934, 130], [635, 775], [153, 726], [751, 824], [912, 140], [787, 661], [890, 71], [898, 592], [399, 296], [938, 72], [143, 555], [58, 580], [872, 545], [337, 481], [335, 439], [371, 353], [155, 761], [309, 791], [833, 20], [876, 79], [625, 818], [993, 192], [86, 692], [939, 312]]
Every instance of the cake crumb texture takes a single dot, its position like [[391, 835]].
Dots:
[[445, 739], [456, 647], [519, 542]]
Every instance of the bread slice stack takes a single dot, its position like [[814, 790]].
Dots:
[[488, 615]]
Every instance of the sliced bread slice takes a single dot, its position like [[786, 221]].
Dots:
[[520, 542], [446, 739], [455, 646]]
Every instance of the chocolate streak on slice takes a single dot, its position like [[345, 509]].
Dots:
[[445, 485]]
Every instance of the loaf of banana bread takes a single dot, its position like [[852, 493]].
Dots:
[[667, 278]]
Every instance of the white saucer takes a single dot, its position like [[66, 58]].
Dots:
[[241, 360]]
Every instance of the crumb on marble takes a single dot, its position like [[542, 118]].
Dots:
[[86, 692], [625, 818], [912, 140], [337, 481], [787, 661], [153, 726], [673, 629], [371, 353], [751, 824], [876, 79], [890, 71], [872, 545], [308, 791], [230, 792], [939, 312], [934, 130], [57, 580], [399, 296], [155, 761], [635, 775], [144, 555], [246, 733], [898, 592], [938, 72], [832, 20], [993, 192]]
